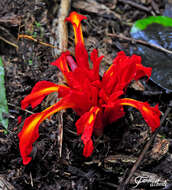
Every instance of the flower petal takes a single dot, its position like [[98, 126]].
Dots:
[[115, 95], [141, 71], [28, 136], [96, 63], [88, 148], [150, 114], [123, 71], [109, 79], [30, 131], [76, 19], [99, 124], [112, 112], [19, 120], [61, 63], [81, 54], [40, 90], [85, 127], [73, 65]]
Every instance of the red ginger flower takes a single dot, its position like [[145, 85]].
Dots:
[[97, 101]]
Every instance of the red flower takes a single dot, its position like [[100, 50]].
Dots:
[[97, 101]]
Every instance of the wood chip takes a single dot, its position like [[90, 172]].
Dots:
[[137, 85], [4, 184]]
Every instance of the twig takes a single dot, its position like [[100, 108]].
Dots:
[[20, 108], [123, 185], [60, 135], [26, 111], [7, 37], [35, 40], [8, 42], [134, 4], [31, 179], [139, 41]]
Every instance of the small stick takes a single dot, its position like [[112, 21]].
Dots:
[[134, 4], [123, 185], [139, 41], [35, 40], [31, 179], [8, 42], [20, 108], [60, 136]]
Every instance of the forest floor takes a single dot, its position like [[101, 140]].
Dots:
[[122, 142]]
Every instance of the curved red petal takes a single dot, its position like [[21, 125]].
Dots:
[[40, 90], [76, 19], [85, 126], [30, 131], [61, 63], [28, 136], [81, 54], [88, 149], [150, 114], [141, 71]]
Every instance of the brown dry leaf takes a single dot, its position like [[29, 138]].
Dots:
[[160, 148]]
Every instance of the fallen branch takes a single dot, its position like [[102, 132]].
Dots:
[[121, 36]]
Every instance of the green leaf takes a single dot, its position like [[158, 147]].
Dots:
[[156, 30], [3, 100], [143, 23]]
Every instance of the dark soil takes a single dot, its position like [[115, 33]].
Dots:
[[31, 63]]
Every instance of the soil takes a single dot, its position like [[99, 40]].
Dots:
[[122, 142]]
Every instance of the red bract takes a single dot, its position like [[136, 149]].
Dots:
[[96, 100]]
